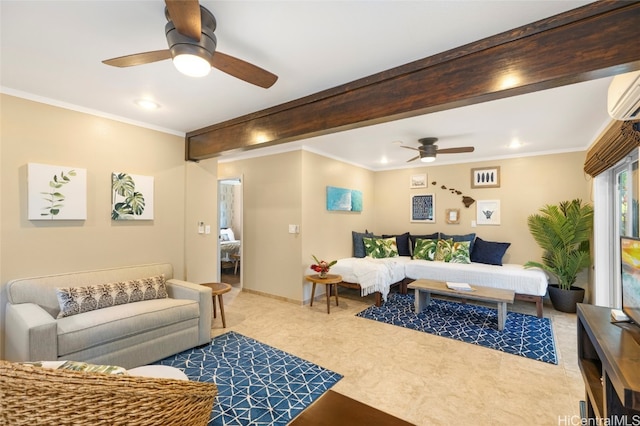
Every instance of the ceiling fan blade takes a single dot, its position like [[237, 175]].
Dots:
[[410, 147], [139, 58], [243, 70], [458, 150], [414, 158], [185, 15]]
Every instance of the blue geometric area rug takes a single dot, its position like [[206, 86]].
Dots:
[[524, 335], [257, 384]]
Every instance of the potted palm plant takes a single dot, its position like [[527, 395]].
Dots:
[[563, 232]]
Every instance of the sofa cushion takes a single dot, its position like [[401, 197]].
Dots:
[[402, 242], [414, 238], [79, 366], [380, 248], [456, 238], [358, 244], [91, 329], [444, 248], [488, 252], [76, 300], [425, 249], [42, 290], [460, 252]]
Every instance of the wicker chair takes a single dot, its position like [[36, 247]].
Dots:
[[41, 396]]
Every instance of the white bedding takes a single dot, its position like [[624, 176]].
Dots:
[[531, 281], [372, 274], [227, 248]]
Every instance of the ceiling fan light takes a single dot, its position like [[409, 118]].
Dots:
[[427, 159], [192, 65]]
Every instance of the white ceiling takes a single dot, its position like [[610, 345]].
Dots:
[[51, 51]]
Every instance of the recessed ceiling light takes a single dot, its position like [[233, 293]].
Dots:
[[515, 144], [147, 104]]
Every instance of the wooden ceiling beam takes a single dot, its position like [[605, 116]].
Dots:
[[594, 41]]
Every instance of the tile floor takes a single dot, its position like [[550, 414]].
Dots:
[[421, 378]]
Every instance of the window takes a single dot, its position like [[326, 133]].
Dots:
[[626, 215]]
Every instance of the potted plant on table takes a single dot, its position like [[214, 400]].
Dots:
[[563, 232], [322, 266]]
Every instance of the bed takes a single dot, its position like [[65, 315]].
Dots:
[[229, 246]]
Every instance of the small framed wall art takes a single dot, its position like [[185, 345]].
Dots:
[[452, 216], [131, 197], [418, 181], [342, 199], [487, 177], [56, 192], [488, 212], [423, 208]]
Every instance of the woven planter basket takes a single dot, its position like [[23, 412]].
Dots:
[[42, 396]]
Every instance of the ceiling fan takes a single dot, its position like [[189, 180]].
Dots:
[[428, 150], [192, 47]]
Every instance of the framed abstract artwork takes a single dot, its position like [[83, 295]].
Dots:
[[342, 199], [56, 192], [423, 208]]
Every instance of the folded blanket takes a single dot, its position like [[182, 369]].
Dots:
[[374, 275]]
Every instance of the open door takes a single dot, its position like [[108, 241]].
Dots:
[[230, 231]]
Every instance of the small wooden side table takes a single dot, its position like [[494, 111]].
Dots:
[[330, 282], [236, 261], [218, 289]]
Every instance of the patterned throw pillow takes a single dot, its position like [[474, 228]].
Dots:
[[444, 250], [460, 252], [93, 368], [425, 249], [379, 248], [79, 366], [76, 300]]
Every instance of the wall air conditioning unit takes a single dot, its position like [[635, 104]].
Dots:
[[623, 100]]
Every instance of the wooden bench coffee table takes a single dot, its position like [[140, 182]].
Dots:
[[424, 289]]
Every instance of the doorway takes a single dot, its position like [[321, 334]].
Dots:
[[230, 231]]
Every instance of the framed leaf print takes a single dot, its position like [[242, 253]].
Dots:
[[56, 192], [131, 197]]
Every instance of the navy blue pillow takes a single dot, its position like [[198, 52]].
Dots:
[[488, 252], [358, 244], [402, 241], [413, 238], [457, 238]]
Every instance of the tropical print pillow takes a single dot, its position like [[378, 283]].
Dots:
[[379, 248], [460, 252], [444, 250], [425, 249]]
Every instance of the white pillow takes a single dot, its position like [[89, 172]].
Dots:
[[229, 233]]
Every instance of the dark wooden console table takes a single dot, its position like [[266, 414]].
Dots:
[[609, 358]]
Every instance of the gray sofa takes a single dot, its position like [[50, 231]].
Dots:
[[128, 335]]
